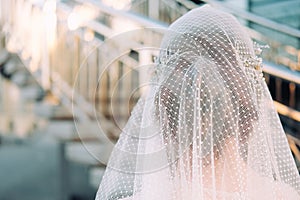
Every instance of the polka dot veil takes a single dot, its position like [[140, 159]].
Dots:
[[207, 128]]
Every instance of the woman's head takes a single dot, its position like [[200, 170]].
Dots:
[[205, 95]]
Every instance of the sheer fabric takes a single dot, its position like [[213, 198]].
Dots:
[[207, 128]]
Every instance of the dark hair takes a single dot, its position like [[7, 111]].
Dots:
[[233, 75]]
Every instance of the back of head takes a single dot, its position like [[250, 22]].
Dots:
[[207, 129], [202, 59]]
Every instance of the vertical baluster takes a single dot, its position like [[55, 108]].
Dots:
[[278, 83], [98, 81], [82, 72], [298, 65], [267, 78], [102, 83], [126, 93], [113, 75], [153, 9], [76, 58], [120, 94], [91, 70], [292, 100], [136, 88]]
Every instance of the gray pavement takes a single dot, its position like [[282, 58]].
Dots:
[[30, 170]]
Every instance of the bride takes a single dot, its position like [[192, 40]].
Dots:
[[207, 128]]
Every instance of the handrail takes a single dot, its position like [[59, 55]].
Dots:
[[143, 21], [256, 19], [282, 72], [287, 111], [146, 22]]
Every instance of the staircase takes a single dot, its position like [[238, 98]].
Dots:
[[87, 64]]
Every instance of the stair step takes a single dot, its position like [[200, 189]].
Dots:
[[89, 153], [95, 176]]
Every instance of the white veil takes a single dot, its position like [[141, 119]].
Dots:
[[207, 128]]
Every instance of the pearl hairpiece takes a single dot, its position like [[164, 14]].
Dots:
[[256, 61], [165, 60]]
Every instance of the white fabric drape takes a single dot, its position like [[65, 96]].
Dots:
[[207, 128]]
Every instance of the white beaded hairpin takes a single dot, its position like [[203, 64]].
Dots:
[[256, 61], [165, 60], [252, 61]]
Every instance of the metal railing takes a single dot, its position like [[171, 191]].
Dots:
[[93, 49]]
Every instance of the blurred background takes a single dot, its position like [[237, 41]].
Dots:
[[72, 70]]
